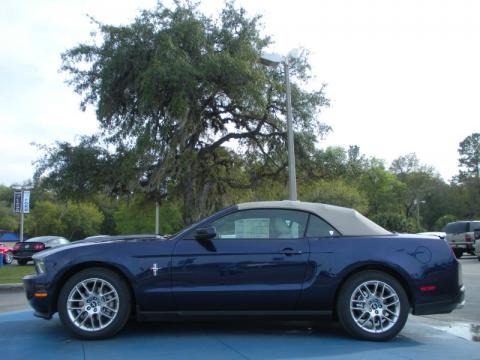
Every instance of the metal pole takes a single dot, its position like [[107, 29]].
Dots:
[[157, 218], [292, 179], [21, 216], [418, 212]]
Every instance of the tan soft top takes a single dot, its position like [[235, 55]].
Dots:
[[347, 221]]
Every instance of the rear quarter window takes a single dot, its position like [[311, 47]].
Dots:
[[320, 228], [456, 227], [474, 225]]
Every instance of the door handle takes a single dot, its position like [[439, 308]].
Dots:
[[290, 251]]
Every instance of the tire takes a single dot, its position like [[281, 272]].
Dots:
[[100, 304], [380, 304], [8, 258], [22, 262], [458, 253]]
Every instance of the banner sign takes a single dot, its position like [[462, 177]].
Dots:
[[26, 202], [17, 201]]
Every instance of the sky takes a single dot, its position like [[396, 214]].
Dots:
[[402, 76]]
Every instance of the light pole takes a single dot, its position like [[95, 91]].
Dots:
[[418, 202], [273, 59]]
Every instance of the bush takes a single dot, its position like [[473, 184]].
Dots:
[[444, 220], [397, 223]]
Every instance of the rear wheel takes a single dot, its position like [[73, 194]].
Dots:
[[8, 258], [94, 303], [372, 305], [458, 253]]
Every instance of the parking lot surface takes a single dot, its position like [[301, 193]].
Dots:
[[23, 336]]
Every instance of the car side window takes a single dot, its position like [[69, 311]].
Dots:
[[262, 224], [456, 228], [320, 228]]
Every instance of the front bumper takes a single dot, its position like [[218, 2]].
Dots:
[[442, 307], [37, 284]]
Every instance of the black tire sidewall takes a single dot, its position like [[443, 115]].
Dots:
[[124, 307], [343, 305], [458, 253]]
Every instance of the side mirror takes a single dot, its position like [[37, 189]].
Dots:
[[205, 233]]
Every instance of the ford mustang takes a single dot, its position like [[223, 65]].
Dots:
[[278, 259]]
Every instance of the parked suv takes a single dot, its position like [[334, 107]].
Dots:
[[461, 236]]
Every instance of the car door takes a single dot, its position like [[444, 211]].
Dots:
[[256, 261]]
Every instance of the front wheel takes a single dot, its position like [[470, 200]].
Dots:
[[372, 305], [8, 258], [94, 304], [458, 253]]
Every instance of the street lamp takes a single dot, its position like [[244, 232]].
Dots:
[[274, 59], [417, 203]]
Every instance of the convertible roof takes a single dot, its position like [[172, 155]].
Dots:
[[347, 221]]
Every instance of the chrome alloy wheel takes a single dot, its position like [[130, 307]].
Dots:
[[375, 306], [8, 257], [93, 304]]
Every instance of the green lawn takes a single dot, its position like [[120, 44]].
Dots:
[[10, 274]]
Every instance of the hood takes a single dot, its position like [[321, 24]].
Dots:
[[95, 240]]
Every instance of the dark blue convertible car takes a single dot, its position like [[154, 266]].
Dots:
[[282, 259]]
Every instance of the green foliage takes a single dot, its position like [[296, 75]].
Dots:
[[396, 222], [45, 219], [469, 160], [81, 220], [76, 172], [138, 217], [444, 220], [72, 220], [382, 188], [8, 221], [336, 192]]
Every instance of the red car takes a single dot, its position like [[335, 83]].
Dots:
[[7, 254]]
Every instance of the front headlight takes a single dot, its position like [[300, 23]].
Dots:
[[40, 266]]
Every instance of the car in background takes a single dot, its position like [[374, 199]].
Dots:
[[23, 251], [7, 254], [440, 234], [461, 236], [289, 259]]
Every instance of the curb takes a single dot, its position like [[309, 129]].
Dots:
[[11, 287]]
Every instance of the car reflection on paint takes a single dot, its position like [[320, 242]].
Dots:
[[24, 250], [279, 259]]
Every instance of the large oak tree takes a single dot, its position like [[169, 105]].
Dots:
[[185, 107]]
